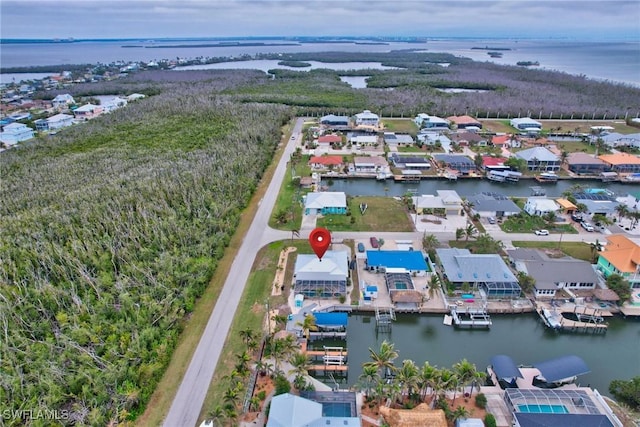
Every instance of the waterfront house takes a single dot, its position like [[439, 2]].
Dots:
[[87, 111], [446, 202], [465, 122], [539, 206], [491, 204], [506, 141], [621, 256], [362, 139], [432, 138], [62, 101], [566, 206], [410, 162], [333, 121], [327, 141], [326, 278], [325, 202], [491, 163], [112, 103], [539, 159], [615, 140], [289, 410], [57, 121], [486, 272], [369, 164], [622, 163], [425, 121], [367, 118], [325, 163], [14, 133], [597, 201], [458, 162], [526, 124], [553, 274], [585, 164], [466, 139], [398, 140]]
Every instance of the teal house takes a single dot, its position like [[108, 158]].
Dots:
[[324, 203], [621, 256]]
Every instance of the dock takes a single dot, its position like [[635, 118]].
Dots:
[[334, 359], [470, 317], [587, 322], [384, 317]]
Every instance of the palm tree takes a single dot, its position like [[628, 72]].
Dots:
[[429, 242], [460, 412], [300, 364], [470, 231], [465, 371], [216, 416], [427, 378], [622, 211], [383, 359], [407, 377], [459, 233], [308, 325], [445, 381], [368, 378], [294, 233], [247, 335], [434, 285], [550, 217]]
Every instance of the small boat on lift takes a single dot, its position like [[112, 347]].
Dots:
[[547, 177]]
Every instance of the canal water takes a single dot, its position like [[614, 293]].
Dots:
[[466, 187], [612, 355]]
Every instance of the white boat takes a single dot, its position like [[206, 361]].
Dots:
[[547, 177], [634, 177], [504, 176]]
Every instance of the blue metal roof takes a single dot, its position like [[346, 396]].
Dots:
[[410, 260], [562, 368], [504, 367], [564, 420], [331, 319]]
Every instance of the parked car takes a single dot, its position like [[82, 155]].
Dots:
[[374, 242], [576, 217], [361, 247], [542, 232], [491, 220], [587, 226]]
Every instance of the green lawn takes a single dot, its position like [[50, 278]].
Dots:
[[578, 250], [400, 125], [290, 196], [529, 223], [498, 126], [410, 149], [382, 214]]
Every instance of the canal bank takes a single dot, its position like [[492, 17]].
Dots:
[[523, 337]]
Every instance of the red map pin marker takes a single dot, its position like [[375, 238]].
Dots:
[[320, 239]]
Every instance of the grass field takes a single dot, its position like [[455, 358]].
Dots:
[[579, 126], [161, 399], [382, 214], [400, 125], [497, 126], [576, 250]]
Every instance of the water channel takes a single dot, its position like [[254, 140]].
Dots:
[[612, 355], [467, 187]]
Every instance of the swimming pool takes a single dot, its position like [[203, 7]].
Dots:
[[336, 409], [543, 409], [467, 296]]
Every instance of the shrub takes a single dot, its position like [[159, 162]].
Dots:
[[490, 420], [282, 385], [481, 400], [262, 395], [342, 299]]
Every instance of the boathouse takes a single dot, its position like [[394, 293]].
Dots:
[[505, 371], [559, 371]]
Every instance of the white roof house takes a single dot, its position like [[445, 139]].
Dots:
[[367, 118], [363, 139], [334, 266], [431, 122], [540, 206], [526, 123], [393, 139], [15, 132], [135, 96], [539, 158], [447, 200], [62, 100], [325, 202], [618, 139], [288, 410]]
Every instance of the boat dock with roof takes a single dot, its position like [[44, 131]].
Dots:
[[588, 320]]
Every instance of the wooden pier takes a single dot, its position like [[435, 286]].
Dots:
[[334, 358], [470, 317]]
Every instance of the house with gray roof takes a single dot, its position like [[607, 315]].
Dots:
[[539, 206], [411, 162], [615, 139], [321, 278], [289, 410], [325, 202], [585, 164], [553, 274], [492, 204], [539, 159], [597, 202], [446, 202], [425, 121], [432, 138], [334, 121], [367, 118], [398, 140], [457, 162], [486, 272]]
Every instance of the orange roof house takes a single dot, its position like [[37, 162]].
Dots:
[[464, 122], [324, 162], [329, 139], [622, 162], [621, 256]]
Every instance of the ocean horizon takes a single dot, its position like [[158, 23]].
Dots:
[[613, 61]]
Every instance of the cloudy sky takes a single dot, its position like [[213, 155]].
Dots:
[[592, 19]]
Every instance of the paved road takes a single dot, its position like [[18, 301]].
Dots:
[[188, 401]]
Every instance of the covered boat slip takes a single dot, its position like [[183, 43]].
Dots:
[[559, 371], [547, 374]]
